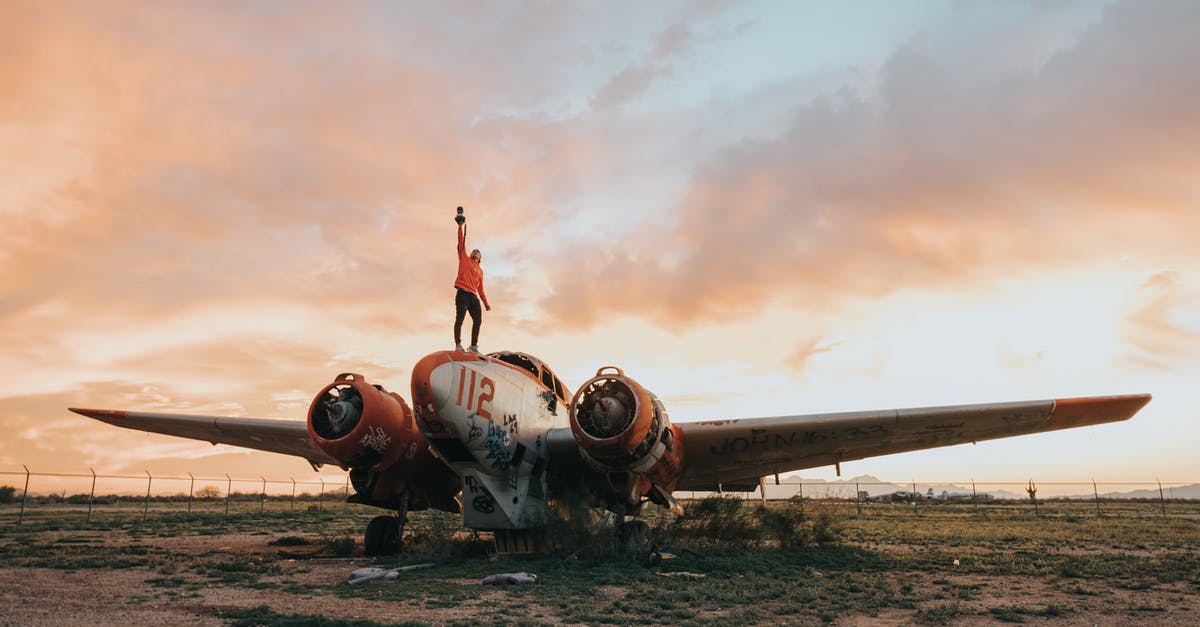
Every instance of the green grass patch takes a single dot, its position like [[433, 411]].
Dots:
[[263, 615]]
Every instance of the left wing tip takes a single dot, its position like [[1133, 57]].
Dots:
[[98, 414]]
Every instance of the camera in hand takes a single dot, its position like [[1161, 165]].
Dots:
[[460, 218]]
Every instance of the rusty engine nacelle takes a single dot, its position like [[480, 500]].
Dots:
[[371, 432], [361, 425], [623, 429]]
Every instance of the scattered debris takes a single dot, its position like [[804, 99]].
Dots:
[[371, 573], [415, 566], [508, 578], [661, 556], [956, 562], [682, 574]]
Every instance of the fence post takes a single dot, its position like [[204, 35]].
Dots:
[[1161, 499], [262, 504], [914, 494], [191, 488], [321, 499], [346, 494], [24, 496], [146, 509], [974, 496], [92, 494], [228, 492], [1096, 493], [293, 494], [801, 497], [858, 498]]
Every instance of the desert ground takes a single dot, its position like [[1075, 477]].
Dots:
[[732, 564]]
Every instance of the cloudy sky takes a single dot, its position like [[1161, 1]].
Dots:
[[754, 208]]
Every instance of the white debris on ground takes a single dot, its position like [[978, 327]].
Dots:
[[371, 573], [509, 578]]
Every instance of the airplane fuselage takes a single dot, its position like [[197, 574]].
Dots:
[[486, 417]]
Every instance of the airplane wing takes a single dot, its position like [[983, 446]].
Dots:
[[733, 454], [276, 436]]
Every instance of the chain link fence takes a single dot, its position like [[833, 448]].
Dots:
[[28, 495]]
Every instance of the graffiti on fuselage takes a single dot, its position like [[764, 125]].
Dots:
[[481, 500], [474, 431], [496, 443]]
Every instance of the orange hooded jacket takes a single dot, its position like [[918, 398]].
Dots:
[[470, 273]]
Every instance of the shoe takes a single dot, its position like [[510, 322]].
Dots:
[[474, 349], [458, 347]]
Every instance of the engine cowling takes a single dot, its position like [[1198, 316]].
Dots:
[[372, 433], [361, 425], [623, 431]]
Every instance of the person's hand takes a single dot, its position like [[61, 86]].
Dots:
[[489, 307], [460, 219]]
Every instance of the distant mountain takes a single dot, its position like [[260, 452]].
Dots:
[[795, 485], [1173, 492]]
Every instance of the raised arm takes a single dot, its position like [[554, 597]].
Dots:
[[462, 239]]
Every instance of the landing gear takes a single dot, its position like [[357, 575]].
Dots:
[[382, 536], [384, 533], [633, 534]]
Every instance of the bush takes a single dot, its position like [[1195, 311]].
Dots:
[[725, 520], [290, 541], [787, 525], [434, 536], [826, 522], [716, 519], [342, 546], [8, 494], [573, 528]]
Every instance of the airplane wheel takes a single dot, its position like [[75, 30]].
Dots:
[[382, 536], [634, 534]]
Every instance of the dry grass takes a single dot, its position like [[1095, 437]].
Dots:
[[793, 563]]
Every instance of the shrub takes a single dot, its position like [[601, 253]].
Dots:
[[717, 519], [342, 546], [787, 525]]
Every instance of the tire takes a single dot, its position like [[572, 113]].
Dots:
[[382, 536]]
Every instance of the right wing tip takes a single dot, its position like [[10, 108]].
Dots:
[[1077, 412]]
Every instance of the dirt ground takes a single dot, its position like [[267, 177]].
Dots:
[[130, 596]]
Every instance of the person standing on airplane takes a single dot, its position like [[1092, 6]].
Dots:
[[468, 287]]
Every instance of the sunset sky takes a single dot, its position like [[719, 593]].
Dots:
[[753, 208]]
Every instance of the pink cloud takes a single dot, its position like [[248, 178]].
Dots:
[[945, 178]]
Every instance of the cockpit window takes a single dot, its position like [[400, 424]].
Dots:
[[521, 361], [560, 390], [554, 384], [536, 370]]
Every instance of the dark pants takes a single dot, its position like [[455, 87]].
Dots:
[[465, 301]]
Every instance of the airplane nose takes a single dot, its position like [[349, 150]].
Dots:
[[429, 394]]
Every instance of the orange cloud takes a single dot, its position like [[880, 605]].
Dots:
[[218, 206], [1158, 327]]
